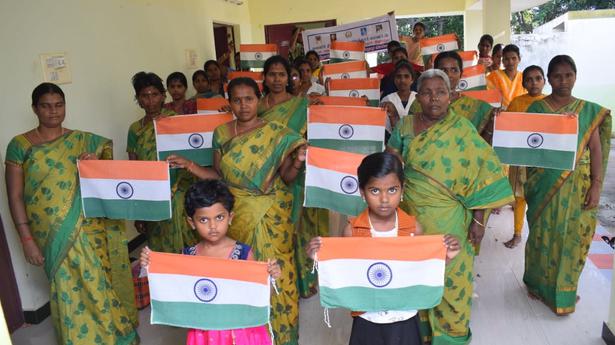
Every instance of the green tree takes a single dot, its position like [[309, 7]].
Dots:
[[526, 21]]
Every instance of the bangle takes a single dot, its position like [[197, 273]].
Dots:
[[26, 239], [477, 222]]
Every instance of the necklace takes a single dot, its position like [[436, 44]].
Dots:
[[258, 122], [40, 137]]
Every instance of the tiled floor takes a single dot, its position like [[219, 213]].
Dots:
[[502, 313]]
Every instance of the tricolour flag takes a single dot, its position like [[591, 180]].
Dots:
[[358, 87], [536, 140], [135, 190], [210, 105], [347, 51], [257, 76], [493, 97], [207, 293], [344, 70], [254, 55], [468, 57], [438, 44], [350, 129], [338, 100], [189, 136], [400, 273], [331, 181], [473, 78]]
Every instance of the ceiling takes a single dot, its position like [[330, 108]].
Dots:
[[516, 5]]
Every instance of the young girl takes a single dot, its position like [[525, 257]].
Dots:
[[485, 45], [177, 85], [509, 80], [380, 181], [397, 104], [496, 58], [200, 84], [209, 205], [534, 82]]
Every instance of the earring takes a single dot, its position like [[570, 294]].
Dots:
[[402, 198], [230, 222]]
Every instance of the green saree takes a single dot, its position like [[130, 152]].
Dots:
[[86, 260], [480, 113], [171, 235], [561, 230], [263, 202], [449, 171]]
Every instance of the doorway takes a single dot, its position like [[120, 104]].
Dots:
[[9, 295], [224, 40], [281, 34]]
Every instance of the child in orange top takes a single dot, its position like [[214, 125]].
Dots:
[[380, 181], [509, 81], [534, 82]]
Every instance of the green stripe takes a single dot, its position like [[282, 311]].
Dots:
[[346, 204], [357, 146], [373, 102], [378, 299], [477, 88], [336, 60], [202, 157], [127, 209], [208, 316], [552, 159], [246, 64]]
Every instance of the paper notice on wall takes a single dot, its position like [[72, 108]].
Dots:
[[55, 68], [375, 32]]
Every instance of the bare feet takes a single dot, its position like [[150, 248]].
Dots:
[[513, 242]]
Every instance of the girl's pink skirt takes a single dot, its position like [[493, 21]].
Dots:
[[243, 336]]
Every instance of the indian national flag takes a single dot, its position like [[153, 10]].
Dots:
[[376, 274], [438, 44], [358, 87], [254, 55], [536, 140], [347, 51], [339, 100], [344, 70], [207, 293], [189, 136], [493, 97], [134, 190], [473, 78], [350, 129], [331, 181], [469, 58], [210, 105], [257, 76]]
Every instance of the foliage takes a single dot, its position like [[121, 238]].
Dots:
[[526, 21]]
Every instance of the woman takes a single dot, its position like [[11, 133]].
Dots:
[[496, 58], [485, 44], [215, 79], [451, 177], [307, 86], [174, 234], [314, 59], [86, 260], [480, 113], [259, 160], [413, 45], [177, 84], [563, 200]]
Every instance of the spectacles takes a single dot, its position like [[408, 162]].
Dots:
[[436, 96]]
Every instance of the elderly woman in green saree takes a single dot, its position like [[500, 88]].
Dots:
[[85, 259], [281, 106], [562, 204], [174, 234], [259, 160], [480, 113], [451, 177]]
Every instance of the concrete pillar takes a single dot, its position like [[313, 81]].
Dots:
[[473, 28], [496, 20]]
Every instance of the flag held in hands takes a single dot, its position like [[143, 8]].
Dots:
[[134, 190], [254, 55], [473, 78], [400, 273], [493, 97], [536, 140], [189, 136], [347, 51], [439, 44], [351, 129], [369, 87], [212, 105], [339, 100], [344, 70], [207, 293]]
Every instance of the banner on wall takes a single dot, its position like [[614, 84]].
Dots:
[[375, 32]]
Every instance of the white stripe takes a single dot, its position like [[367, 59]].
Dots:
[[550, 141], [346, 75], [208, 112], [171, 142], [166, 287], [468, 63], [251, 56], [448, 46], [496, 105], [370, 93], [332, 131], [341, 273], [352, 54], [155, 190], [472, 82], [328, 179]]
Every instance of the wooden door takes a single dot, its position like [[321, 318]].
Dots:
[[9, 295]]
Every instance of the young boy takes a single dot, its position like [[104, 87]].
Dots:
[[509, 81]]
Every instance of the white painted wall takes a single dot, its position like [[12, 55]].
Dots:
[[106, 42]]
